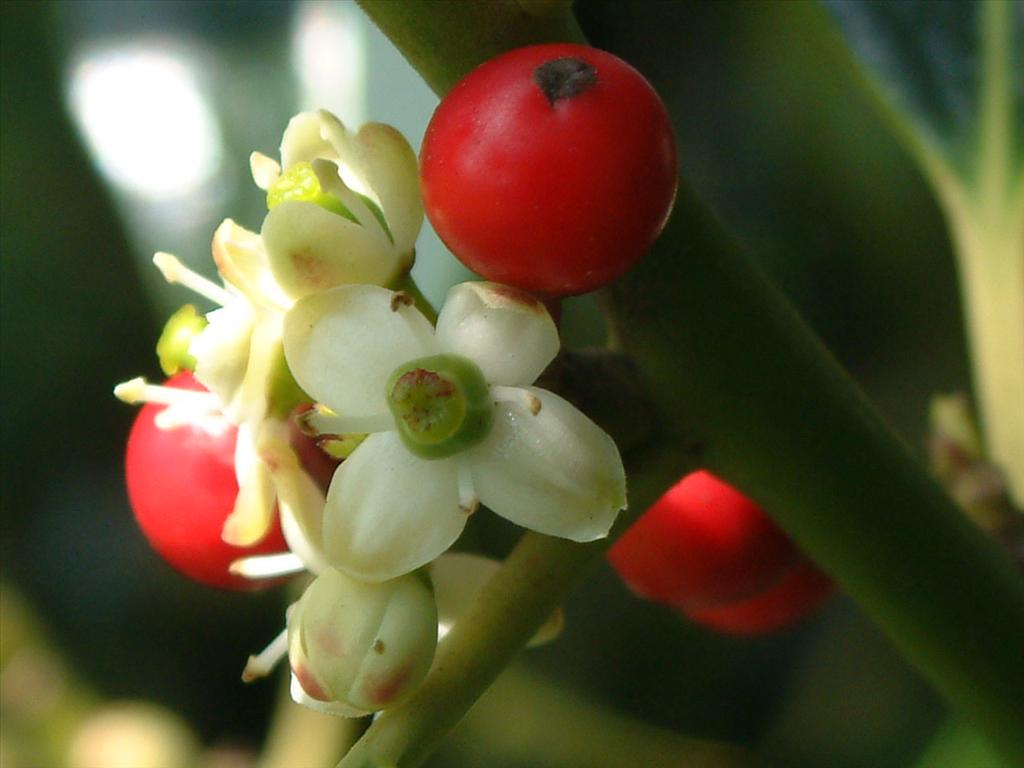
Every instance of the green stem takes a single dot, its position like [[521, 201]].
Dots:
[[734, 369], [535, 579], [778, 418], [296, 730]]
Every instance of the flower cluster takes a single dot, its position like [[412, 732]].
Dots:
[[316, 316]]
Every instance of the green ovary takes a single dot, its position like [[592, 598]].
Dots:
[[441, 405], [301, 183]]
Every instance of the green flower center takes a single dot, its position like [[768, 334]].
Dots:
[[441, 405]]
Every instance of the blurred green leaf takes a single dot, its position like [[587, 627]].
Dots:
[[957, 745], [949, 73], [923, 56], [926, 59]]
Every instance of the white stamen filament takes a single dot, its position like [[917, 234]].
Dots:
[[175, 416], [264, 662], [267, 566], [405, 307], [503, 394], [174, 271], [137, 390], [468, 500], [324, 422]]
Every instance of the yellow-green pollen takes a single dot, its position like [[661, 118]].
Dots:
[[300, 182], [172, 346], [441, 405]]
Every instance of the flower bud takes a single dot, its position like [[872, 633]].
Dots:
[[358, 647], [173, 346]]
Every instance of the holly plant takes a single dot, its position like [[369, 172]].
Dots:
[[325, 419]]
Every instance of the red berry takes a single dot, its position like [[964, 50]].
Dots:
[[551, 168], [702, 544], [318, 465], [182, 486], [800, 592]]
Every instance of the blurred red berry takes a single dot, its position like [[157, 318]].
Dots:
[[710, 552], [800, 592], [702, 543], [182, 486]]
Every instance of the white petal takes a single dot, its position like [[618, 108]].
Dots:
[[389, 512], [458, 578], [265, 350], [264, 170], [391, 170], [299, 696], [299, 500], [555, 472], [253, 514], [303, 140], [508, 333], [242, 260], [331, 182], [312, 249], [341, 346], [402, 650], [221, 350]]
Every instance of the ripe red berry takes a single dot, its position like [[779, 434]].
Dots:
[[712, 554], [182, 486], [702, 544], [551, 168]]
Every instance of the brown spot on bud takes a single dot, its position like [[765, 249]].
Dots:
[[401, 299], [378, 646], [533, 403]]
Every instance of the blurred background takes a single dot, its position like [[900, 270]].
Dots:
[[127, 128]]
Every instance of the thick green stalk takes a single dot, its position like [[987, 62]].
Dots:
[[733, 369], [730, 364]]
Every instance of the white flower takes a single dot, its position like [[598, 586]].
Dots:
[[346, 209], [457, 428]]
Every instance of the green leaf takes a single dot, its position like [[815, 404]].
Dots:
[[931, 61]]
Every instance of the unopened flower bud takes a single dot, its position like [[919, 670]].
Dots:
[[358, 647]]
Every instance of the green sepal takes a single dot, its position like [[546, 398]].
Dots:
[[378, 214], [283, 392], [342, 446]]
